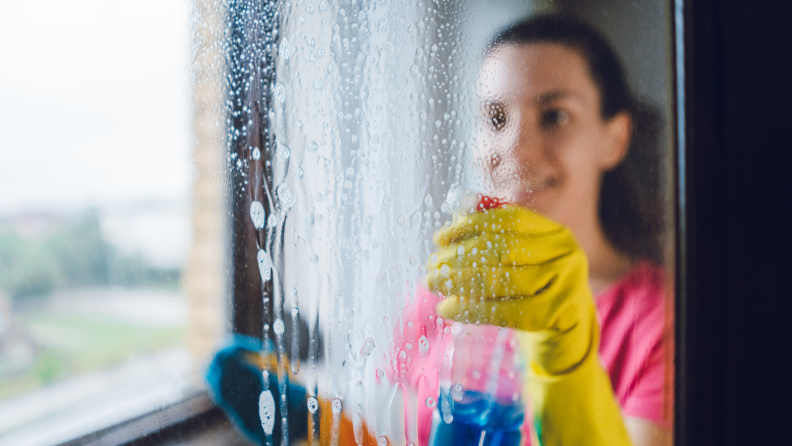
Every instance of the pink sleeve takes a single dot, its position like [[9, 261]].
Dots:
[[636, 344], [647, 398], [650, 393]]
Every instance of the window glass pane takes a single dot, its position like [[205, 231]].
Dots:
[[461, 229], [111, 216]]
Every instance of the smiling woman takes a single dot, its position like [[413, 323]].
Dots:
[[560, 124]]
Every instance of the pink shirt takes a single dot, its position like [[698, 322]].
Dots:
[[635, 347]]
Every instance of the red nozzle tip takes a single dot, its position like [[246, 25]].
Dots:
[[486, 203]]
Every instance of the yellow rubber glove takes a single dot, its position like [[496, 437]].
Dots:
[[514, 268]]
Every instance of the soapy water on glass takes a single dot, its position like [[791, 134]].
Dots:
[[464, 416], [313, 404]]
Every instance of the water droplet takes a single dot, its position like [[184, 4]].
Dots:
[[368, 346], [309, 7], [323, 6], [256, 153], [428, 200], [299, 172], [313, 404], [348, 316], [383, 441], [285, 196], [267, 411], [285, 49], [402, 220], [257, 214], [265, 265], [318, 83], [381, 373], [295, 311], [457, 392], [314, 258], [448, 417], [337, 405], [445, 269], [461, 251], [422, 269], [413, 260], [361, 16], [272, 220], [431, 403], [283, 151], [338, 294], [278, 327], [312, 146], [309, 220], [396, 266], [423, 345], [280, 92], [387, 202]]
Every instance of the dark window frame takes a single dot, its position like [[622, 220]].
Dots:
[[733, 240]]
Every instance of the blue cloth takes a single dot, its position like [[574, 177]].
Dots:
[[235, 384]]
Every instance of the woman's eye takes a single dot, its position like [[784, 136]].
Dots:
[[494, 114], [554, 118], [497, 119]]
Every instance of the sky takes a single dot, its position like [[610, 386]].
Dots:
[[94, 103]]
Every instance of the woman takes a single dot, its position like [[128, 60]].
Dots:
[[563, 137]]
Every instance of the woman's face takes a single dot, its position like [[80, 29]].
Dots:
[[543, 140]]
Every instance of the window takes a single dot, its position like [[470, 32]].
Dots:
[[360, 130]]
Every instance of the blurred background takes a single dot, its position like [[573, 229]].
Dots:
[[111, 227]]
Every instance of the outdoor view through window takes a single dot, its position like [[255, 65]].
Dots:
[[111, 246]]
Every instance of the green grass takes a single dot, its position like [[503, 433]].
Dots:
[[74, 345]]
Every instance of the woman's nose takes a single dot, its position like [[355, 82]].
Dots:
[[492, 161]]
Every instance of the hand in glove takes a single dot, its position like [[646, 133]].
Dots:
[[511, 267]]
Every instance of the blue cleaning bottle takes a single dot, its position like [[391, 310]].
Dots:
[[476, 419]]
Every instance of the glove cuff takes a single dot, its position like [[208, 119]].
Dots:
[[571, 397]]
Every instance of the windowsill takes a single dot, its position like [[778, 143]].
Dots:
[[193, 421]]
